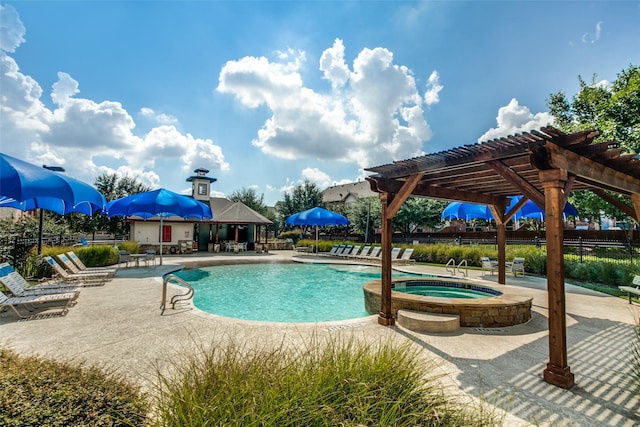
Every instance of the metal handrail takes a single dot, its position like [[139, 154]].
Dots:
[[180, 297], [451, 262], [466, 272]]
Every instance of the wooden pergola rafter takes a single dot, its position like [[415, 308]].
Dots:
[[543, 165]]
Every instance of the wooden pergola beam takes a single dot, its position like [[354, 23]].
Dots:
[[518, 182], [393, 186], [628, 210], [596, 172]]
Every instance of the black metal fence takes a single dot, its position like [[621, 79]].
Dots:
[[615, 246]]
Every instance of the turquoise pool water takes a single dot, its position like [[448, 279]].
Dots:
[[443, 292], [282, 292]]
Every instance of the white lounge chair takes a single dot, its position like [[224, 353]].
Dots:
[[33, 302], [19, 287], [375, 253], [78, 262], [73, 269], [406, 256], [345, 249], [630, 289], [489, 265], [364, 252], [516, 267], [61, 274], [352, 253]]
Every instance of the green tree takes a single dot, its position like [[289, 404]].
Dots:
[[613, 110], [418, 212], [113, 187], [365, 215], [304, 196], [250, 197]]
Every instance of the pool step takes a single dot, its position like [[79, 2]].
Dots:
[[421, 321]]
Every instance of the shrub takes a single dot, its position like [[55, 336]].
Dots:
[[37, 392], [327, 384], [98, 255], [130, 246]]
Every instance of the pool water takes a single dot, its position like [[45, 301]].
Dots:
[[443, 292], [283, 292]]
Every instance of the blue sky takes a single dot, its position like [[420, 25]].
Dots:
[[266, 94]]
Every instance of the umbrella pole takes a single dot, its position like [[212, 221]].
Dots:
[[40, 231], [316, 239], [161, 239]]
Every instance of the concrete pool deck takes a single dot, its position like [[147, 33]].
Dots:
[[119, 326]]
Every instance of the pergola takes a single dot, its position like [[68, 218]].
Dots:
[[544, 166]]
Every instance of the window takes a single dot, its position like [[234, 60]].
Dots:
[[202, 189]]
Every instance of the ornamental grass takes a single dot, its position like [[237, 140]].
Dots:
[[332, 384]]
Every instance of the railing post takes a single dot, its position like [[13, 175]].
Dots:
[[580, 249]]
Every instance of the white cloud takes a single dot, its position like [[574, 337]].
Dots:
[[515, 118], [321, 178], [159, 118], [333, 66], [77, 131], [432, 95], [373, 114], [12, 30], [592, 38]]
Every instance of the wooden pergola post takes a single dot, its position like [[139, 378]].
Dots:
[[502, 258], [557, 371], [385, 316]]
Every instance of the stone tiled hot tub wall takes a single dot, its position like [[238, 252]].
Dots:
[[492, 312]]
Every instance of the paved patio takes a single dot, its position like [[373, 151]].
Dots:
[[119, 326]]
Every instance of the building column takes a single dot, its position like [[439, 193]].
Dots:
[[557, 371]]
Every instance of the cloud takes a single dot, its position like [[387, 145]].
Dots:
[[432, 95], [78, 131], [160, 118], [373, 112], [12, 30], [591, 38], [515, 118], [322, 179]]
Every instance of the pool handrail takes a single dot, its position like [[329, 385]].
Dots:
[[174, 299]]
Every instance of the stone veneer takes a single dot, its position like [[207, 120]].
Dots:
[[492, 312]]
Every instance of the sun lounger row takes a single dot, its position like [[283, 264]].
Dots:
[[369, 253], [27, 300], [79, 277]]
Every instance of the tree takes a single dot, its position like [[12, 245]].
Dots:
[[614, 111], [365, 215], [418, 212], [304, 196], [250, 197], [113, 187]]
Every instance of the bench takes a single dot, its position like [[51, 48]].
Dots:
[[631, 290]]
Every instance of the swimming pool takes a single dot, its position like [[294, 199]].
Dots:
[[283, 292]]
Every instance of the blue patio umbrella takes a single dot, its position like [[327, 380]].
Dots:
[[469, 211], [317, 217], [466, 211], [159, 203], [26, 186], [531, 210]]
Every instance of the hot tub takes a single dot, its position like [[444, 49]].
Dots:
[[491, 308]]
